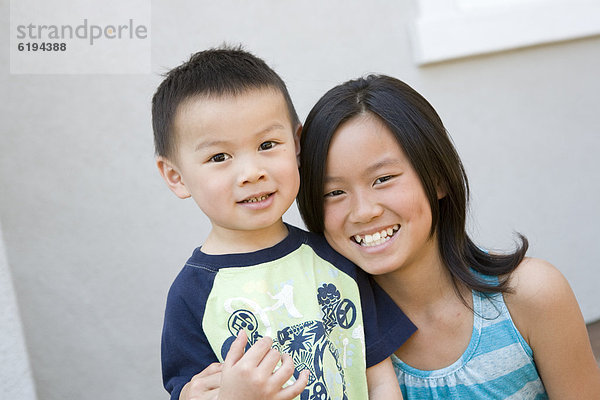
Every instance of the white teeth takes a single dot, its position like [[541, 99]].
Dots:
[[376, 238], [256, 199]]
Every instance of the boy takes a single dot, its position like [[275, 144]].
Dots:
[[226, 134]]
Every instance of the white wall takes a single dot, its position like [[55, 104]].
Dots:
[[94, 238], [17, 381]]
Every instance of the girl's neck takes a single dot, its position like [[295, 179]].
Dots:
[[420, 285]]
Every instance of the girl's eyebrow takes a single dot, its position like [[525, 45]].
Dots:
[[386, 162], [334, 179]]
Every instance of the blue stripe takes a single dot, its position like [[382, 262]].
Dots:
[[498, 349], [501, 334], [493, 389]]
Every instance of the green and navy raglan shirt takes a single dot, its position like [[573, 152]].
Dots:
[[318, 307]]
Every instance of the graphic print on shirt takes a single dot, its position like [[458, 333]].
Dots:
[[309, 343]]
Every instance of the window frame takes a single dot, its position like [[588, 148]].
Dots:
[[450, 29]]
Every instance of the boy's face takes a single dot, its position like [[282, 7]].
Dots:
[[236, 156]]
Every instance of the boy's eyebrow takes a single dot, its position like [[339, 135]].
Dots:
[[209, 143], [271, 128], [218, 142]]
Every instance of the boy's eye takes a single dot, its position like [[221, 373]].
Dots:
[[220, 157], [334, 193], [267, 145], [383, 179]]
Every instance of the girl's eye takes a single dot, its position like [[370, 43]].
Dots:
[[267, 145], [220, 157], [383, 179], [334, 193]]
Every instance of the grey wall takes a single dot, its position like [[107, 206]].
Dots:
[[94, 238]]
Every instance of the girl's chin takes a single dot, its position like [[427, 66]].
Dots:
[[376, 269]]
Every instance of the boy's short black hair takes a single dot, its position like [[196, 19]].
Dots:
[[211, 73]]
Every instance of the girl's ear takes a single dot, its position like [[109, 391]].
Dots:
[[441, 190], [172, 177], [297, 142]]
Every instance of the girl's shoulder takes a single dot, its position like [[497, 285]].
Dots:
[[534, 281], [545, 311], [538, 290]]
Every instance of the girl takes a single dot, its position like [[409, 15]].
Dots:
[[381, 179]]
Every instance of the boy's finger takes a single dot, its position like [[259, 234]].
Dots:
[[204, 384], [208, 395], [269, 362], [258, 351], [285, 370], [236, 351], [212, 369], [294, 390]]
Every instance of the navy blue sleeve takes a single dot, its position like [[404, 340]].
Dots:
[[386, 325], [185, 350]]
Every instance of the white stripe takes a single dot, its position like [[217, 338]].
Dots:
[[528, 391], [480, 370]]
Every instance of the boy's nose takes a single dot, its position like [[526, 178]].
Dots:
[[250, 172]]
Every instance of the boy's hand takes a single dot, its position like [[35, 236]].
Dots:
[[205, 385], [250, 376], [247, 376]]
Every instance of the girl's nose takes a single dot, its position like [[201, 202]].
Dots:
[[365, 208]]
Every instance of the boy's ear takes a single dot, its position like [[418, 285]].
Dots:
[[297, 142], [172, 177]]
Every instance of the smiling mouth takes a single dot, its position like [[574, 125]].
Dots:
[[376, 238], [257, 199]]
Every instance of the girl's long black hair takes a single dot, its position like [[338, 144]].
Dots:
[[424, 139]]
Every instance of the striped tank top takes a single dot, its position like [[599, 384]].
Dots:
[[498, 363]]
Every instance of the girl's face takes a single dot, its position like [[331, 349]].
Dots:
[[376, 211]]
